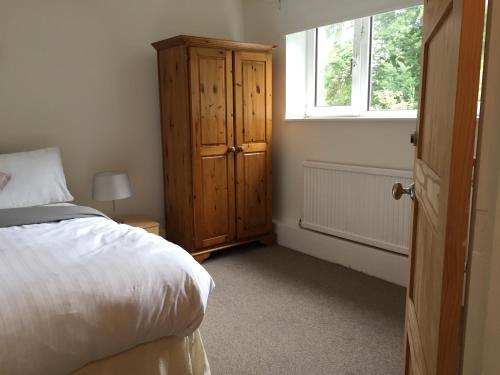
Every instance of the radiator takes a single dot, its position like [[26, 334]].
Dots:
[[355, 203]]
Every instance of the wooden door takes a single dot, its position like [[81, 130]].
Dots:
[[253, 120], [211, 85], [443, 171]]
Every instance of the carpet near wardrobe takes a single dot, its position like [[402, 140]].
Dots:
[[276, 311]]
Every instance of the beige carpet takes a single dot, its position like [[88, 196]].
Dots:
[[277, 311]]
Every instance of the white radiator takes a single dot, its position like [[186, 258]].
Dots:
[[355, 203]]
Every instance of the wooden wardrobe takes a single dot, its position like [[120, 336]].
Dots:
[[216, 117]]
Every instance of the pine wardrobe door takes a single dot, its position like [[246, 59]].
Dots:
[[211, 86], [253, 127]]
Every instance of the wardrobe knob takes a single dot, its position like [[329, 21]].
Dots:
[[231, 149], [239, 149]]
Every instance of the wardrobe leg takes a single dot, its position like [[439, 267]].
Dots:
[[201, 258], [268, 240]]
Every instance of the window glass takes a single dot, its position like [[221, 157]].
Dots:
[[334, 64], [365, 67], [395, 60]]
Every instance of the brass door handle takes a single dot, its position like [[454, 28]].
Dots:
[[231, 149]]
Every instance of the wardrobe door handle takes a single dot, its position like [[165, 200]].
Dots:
[[239, 149], [231, 149]]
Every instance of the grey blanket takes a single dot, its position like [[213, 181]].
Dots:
[[44, 214]]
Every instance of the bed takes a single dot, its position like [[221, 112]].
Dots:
[[82, 294]]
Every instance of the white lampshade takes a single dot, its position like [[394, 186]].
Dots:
[[110, 186]]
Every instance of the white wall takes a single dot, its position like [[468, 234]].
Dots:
[[482, 334], [381, 143], [81, 75]]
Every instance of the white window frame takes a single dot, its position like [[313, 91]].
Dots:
[[359, 71], [360, 102]]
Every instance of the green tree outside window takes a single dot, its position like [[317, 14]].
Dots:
[[395, 62]]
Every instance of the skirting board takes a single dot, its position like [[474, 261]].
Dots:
[[371, 261]]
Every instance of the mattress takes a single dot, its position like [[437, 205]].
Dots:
[[80, 290]]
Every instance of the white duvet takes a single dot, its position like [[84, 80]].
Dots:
[[84, 289]]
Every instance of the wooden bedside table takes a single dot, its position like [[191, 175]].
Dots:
[[143, 222]]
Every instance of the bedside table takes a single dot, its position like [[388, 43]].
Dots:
[[143, 222]]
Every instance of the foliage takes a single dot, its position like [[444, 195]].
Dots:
[[395, 65], [396, 43], [338, 71]]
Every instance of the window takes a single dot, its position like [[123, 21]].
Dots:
[[334, 59], [364, 67]]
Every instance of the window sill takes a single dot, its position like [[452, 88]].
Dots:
[[377, 118]]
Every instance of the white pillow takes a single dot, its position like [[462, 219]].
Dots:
[[36, 178]]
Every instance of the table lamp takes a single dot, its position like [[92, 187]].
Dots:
[[111, 186]]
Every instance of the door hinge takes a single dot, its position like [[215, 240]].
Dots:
[[466, 275], [414, 138], [464, 290]]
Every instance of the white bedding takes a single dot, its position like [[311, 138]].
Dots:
[[166, 356], [84, 289]]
